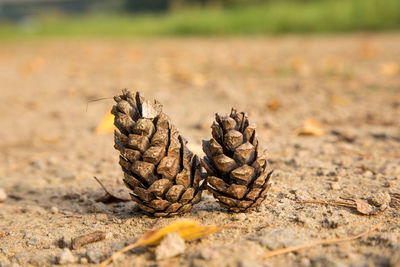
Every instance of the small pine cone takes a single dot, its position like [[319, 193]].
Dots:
[[163, 174], [237, 175]]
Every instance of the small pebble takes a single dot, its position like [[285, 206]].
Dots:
[[27, 235], [326, 262], [109, 235], [38, 260], [68, 176], [65, 241], [239, 217], [379, 199], [98, 207], [171, 246], [305, 262], [4, 261], [394, 260], [278, 238], [3, 195], [33, 241], [335, 186], [52, 160], [65, 257], [37, 164], [208, 254], [21, 257], [244, 263], [83, 260], [54, 210], [368, 174], [94, 255]]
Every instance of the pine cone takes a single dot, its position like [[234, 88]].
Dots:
[[162, 173], [237, 175]]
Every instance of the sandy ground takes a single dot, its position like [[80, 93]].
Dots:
[[49, 153]]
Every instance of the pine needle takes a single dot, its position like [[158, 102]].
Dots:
[[316, 243], [95, 100]]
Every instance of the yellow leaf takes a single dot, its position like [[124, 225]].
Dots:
[[187, 230], [369, 51], [339, 100], [106, 125], [273, 104], [309, 128], [390, 69]]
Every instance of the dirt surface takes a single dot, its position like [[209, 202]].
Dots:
[[49, 151]]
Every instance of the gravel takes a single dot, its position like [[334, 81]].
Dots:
[[171, 246], [3, 195], [65, 257]]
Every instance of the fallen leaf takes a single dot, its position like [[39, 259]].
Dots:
[[299, 65], [310, 127], [33, 65], [187, 230], [106, 125], [113, 194], [369, 51], [273, 105], [339, 100], [389, 69]]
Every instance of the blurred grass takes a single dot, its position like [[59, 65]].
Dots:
[[272, 18]]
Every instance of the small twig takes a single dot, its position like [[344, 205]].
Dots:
[[95, 100], [110, 197], [82, 240], [119, 253], [331, 203], [316, 243], [102, 185], [235, 226]]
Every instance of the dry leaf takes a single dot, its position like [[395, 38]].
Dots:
[[187, 230], [369, 51], [299, 65], [310, 127], [113, 194], [33, 65], [106, 125], [339, 100], [273, 105], [390, 69]]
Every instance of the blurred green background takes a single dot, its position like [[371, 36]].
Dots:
[[37, 18]]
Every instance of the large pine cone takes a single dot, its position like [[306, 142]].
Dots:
[[237, 175], [162, 173]]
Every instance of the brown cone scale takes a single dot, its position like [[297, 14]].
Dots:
[[237, 174], [163, 174]]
